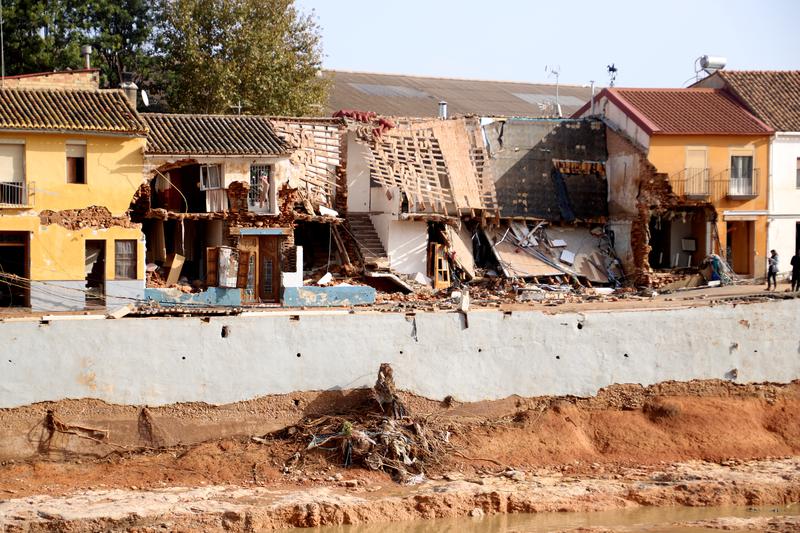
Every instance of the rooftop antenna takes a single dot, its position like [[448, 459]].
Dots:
[[238, 107], [555, 71], [612, 74]]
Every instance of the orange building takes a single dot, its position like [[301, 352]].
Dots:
[[715, 156]]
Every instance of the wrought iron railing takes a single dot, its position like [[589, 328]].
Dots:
[[742, 185], [699, 184], [691, 183], [14, 194]]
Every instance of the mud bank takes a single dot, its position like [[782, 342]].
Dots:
[[699, 443], [233, 508]]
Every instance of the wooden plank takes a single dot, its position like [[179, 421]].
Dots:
[[244, 267], [175, 262], [212, 262]]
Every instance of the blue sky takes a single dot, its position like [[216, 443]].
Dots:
[[652, 43]]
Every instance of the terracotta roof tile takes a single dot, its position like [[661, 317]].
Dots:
[[95, 111], [690, 111], [773, 96], [212, 135]]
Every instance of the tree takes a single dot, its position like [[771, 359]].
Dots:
[[262, 55], [46, 35], [121, 34], [37, 37]]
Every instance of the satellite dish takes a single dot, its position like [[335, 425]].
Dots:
[[145, 99]]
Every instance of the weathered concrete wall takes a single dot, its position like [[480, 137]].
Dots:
[[156, 361]]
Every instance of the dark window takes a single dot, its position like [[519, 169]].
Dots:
[[76, 163]]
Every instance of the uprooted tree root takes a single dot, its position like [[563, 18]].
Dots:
[[404, 448], [393, 442]]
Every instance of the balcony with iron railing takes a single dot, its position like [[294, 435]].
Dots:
[[700, 184], [15, 194], [692, 183], [741, 185]]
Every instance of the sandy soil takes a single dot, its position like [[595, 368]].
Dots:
[[701, 443]]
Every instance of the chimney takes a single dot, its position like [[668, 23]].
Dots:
[[129, 87], [442, 110], [86, 53]]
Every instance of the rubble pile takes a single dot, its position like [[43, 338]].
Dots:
[[90, 217]]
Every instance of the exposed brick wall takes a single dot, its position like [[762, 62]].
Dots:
[[654, 196], [68, 79]]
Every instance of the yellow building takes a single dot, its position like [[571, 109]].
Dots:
[[715, 155], [71, 160]]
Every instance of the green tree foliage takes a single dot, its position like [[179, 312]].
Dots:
[[45, 35], [261, 54], [203, 56], [37, 37]]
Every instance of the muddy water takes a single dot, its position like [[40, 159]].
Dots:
[[641, 519]]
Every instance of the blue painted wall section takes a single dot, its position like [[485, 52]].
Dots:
[[327, 296], [210, 296]]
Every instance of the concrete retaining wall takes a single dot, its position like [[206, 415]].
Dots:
[[164, 360]]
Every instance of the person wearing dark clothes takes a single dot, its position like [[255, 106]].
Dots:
[[796, 271], [772, 271]]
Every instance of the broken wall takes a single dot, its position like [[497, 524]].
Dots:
[[521, 156]]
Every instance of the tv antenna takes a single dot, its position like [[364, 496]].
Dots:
[[555, 71], [612, 74]]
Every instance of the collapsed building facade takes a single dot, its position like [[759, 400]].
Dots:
[[230, 203], [688, 181]]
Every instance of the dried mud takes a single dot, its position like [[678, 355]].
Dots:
[[699, 443]]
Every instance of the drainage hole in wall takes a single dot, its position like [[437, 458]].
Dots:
[[9, 361], [480, 350], [296, 402], [226, 330], [755, 351], [295, 318], [401, 352], [183, 357], [580, 325], [558, 357], [298, 354]]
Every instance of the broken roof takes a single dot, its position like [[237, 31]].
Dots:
[[692, 111], [105, 111], [435, 163], [773, 96], [174, 134], [418, 96]]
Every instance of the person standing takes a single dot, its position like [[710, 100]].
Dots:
[[772, 270], [796, 271]]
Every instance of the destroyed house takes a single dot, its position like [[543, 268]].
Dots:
[[410, 184], [480, 193], [552, 195], [228, 198], [71, 159], [687, 171]]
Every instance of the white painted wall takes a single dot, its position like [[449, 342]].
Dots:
[[408, 246], [784, 199], [619, 119], [358, 189], [158, 361]]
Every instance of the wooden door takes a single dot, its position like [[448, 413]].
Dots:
[[269, 269], [248, 272]]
